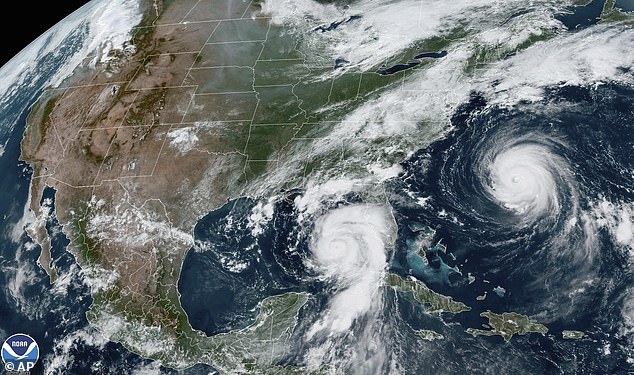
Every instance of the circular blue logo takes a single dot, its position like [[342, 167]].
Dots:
[[20, 353]]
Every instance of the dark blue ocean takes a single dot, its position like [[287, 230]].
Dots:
[[54, 315], [472, 245], [477, 245]]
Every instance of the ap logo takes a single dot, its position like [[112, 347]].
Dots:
[[20, 353]]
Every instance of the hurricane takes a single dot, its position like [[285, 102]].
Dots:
[[350, 247], [520, 176], [322, 187], [523, 177], [514, 195], [523, 209]]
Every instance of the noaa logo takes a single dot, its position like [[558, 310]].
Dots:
[[20, 353]]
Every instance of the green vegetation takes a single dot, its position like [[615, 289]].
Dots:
[[277, 73], [223, 79], [374, 83], [345, 87], [312, 95], [253, 169], [436, 43], [143, 37], [482, 55], [266, 140], [296, 100], [40, 116], [611, 13], [437, 303], [418, 227], [508, 324], [48, 109], [43, 123], [429, 335], [254, 349], [486, 53], [281, 44], [278, 105], [572, 335], [534, 38]]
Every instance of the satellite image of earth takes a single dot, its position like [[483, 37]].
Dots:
[[322, 187]]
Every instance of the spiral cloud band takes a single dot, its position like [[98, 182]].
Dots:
[[523, 178], [349, 247]]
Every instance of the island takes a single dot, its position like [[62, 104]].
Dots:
[[141, 147], [572, 335], [499, 291], [435, 302], [428, 335], [508, 324]]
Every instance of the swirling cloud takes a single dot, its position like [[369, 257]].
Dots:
[[349, 246], [523, 178]]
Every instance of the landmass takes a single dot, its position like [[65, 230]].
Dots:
[[254, 349], [499, 291], [205, 108], [137, 151], [572, 335], [435, 302], [418, 227], [428, 335], [508, 324]]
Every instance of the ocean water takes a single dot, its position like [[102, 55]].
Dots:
[[626, 5], [582, 16], [53, 314], [576, 147], [231, 268], [458, 200], [29, 303], [545, 259]]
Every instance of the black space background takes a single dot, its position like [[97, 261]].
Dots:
[[25, 20]]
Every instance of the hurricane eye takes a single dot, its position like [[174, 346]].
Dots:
[[523, 177]]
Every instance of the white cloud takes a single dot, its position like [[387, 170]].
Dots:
[[105, 25], [349, 246], [588, 56], [618, 219], [153, 368], [261, 215], [126, 225], [63, 348], [376, 37], [183, 139]]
